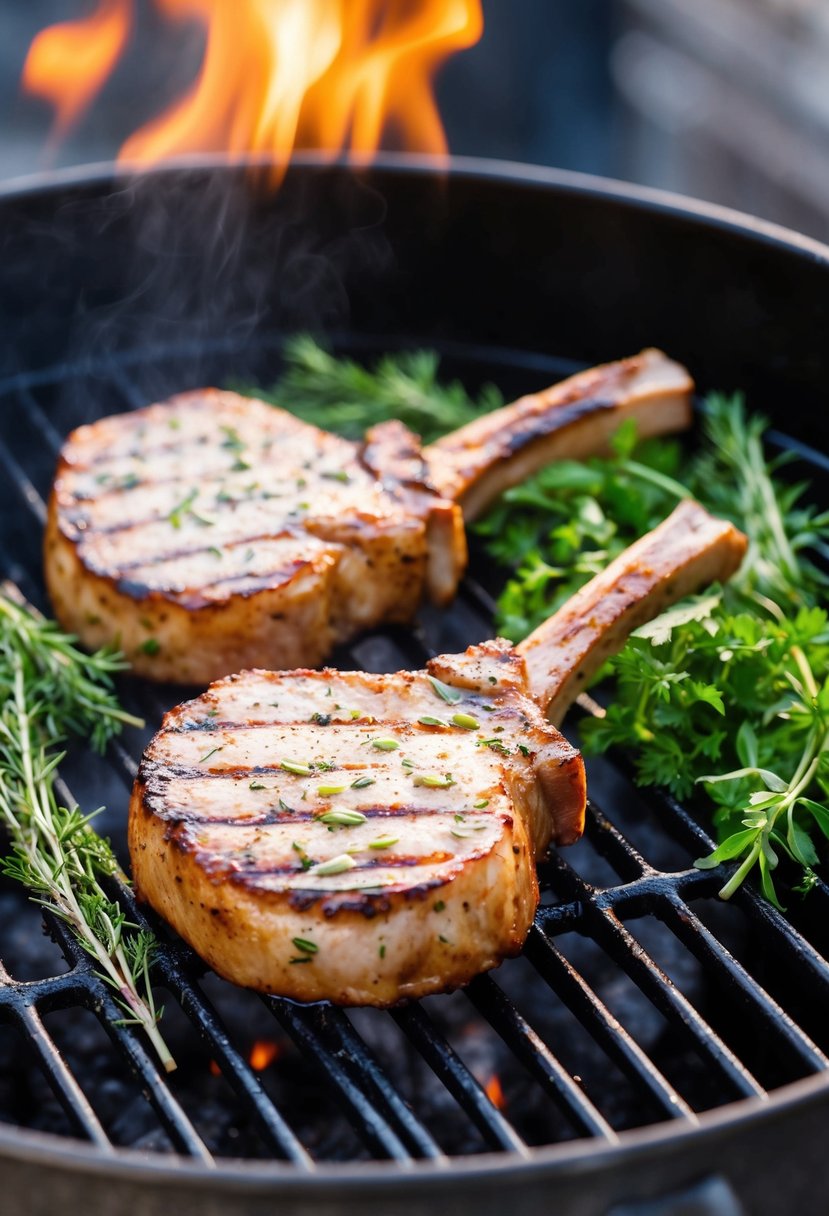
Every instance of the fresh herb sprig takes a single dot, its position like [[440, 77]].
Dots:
[[51, 690], [727, 693], [341, 395], [731, 693]]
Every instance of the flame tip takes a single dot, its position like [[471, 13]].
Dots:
[[330, 75]]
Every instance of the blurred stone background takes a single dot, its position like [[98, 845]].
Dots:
[[726, 100]]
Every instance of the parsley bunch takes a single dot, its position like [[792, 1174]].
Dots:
[[727, 693]]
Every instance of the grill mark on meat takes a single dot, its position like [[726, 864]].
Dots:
[[273, 815]]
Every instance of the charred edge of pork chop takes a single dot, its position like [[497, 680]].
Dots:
[[210, 848], [573, 419], [689, 550], [185, 546]]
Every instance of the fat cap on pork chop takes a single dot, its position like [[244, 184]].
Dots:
[[214, 532], [366, 838]]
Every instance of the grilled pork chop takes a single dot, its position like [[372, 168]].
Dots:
[[370, 838], [213, 532]]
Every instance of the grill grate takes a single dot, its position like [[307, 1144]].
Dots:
[[752, 1017]]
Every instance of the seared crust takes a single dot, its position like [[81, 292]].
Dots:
[[434, 876], [571, 420], [689, 550], [214, 532]]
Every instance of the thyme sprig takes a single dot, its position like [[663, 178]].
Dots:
[[50, 690]]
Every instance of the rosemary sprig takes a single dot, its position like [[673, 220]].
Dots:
[[341, 395], [51, 690]]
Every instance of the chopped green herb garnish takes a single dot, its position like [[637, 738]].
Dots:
[[336, 865], [304, 860], [321, 719], [232, 441], [151, 646], [327, 791], [523, 749], [434, 780], [427, 721], [342, 817], [445, 691], [495, 745], [214, 551], [177, 514], [362, 783], [466, 721], [439, 906], [256, 785], [479, 806], [304, 945], [296, 767], [381, 950], [383, 842], [385, 745], [207, 755]]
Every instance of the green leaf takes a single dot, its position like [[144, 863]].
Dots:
[[660, 629], [746, 744], [819, 813], [445, 691], [769, 779], [730, 848], [766, 881], [800, 843]]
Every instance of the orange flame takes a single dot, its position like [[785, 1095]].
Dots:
[[495, 1093], [262, 1054], [68, 63], [276, 74]]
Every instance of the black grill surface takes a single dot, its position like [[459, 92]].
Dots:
[[640, 998]]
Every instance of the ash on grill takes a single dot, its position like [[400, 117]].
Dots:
[[639, 998]]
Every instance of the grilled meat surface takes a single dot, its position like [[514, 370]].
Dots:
[[214, 532], [372, 838], [350, 836]]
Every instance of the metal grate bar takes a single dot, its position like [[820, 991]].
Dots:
[[605, 1029], [457, 1078], [490, 1000], [26, 1018], [97, 998], [22, 484], [335, 1069], [756, 1001], [331, 1023], [239, 1074], [781, 933], [41, 419], [610, 844], [623, 948], [74, 1101]]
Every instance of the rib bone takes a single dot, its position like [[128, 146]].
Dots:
[[689, 550]]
